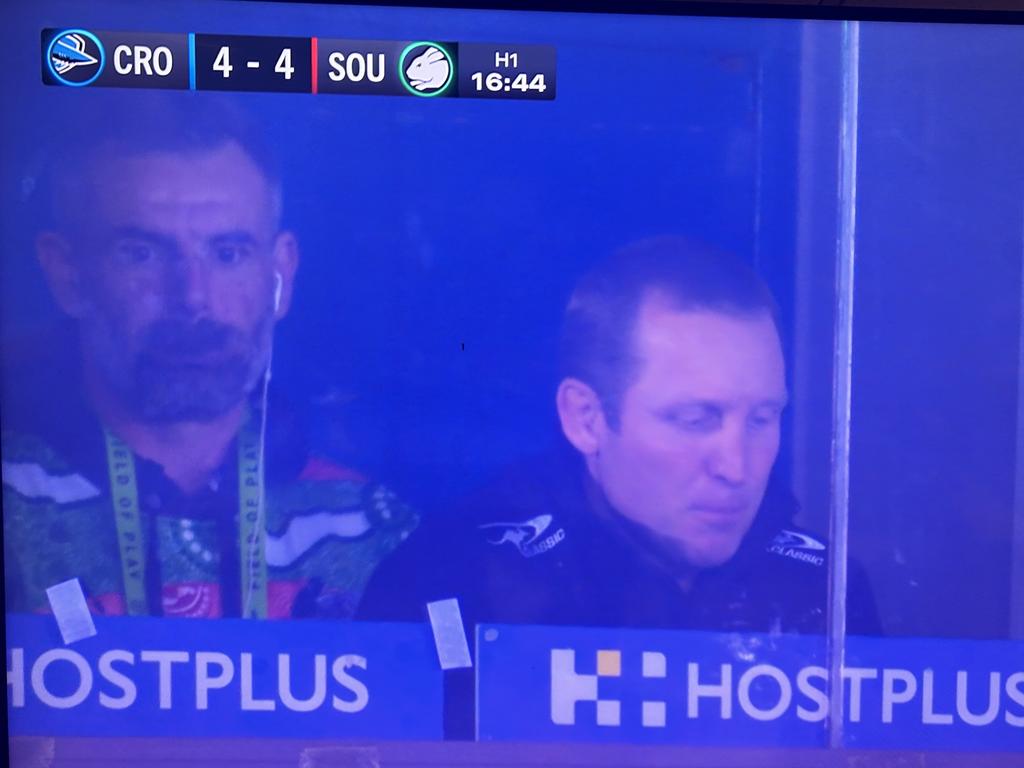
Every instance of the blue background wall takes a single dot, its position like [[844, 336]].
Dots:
[[441, 238]]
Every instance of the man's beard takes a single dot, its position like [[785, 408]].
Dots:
[[180, 370]]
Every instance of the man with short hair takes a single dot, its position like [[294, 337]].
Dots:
[[140, 452], [666, 512]]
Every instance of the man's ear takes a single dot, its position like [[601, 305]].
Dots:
[[286, 262], [63, 274], [581, 415]]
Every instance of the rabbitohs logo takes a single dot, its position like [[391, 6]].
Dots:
[[524, 536], [798, 546]]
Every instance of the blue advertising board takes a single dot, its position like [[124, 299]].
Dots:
[[224, 678], [701, 688], [311, 679]]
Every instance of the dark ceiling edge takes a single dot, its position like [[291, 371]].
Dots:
[[726, 8]]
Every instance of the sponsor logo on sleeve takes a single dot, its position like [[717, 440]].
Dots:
[[527, 536]]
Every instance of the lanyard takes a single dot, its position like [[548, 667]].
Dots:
[[251, 528]]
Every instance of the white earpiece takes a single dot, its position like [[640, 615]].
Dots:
[[264, 405], [278, 284]]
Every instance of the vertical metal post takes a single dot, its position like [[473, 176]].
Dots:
[[842, 370]]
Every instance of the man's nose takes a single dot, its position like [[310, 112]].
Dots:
[[191, 279], [729, 461]]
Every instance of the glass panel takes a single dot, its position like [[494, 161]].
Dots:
[[620, 476], [558, 312], [936, 379], [937, 331]]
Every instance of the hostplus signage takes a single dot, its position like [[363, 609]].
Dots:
[[550, 683]]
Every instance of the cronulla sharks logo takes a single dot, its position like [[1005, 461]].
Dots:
[[75, 57], [798, 546], [524, 536]]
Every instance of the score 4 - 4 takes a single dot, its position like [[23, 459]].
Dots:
[[283, 66], [245, 63]]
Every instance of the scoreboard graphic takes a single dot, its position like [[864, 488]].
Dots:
[[202, 62]]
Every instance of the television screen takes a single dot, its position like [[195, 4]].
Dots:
[[598, 386]]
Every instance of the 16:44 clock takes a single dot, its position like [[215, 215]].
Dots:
[[498, 71], [496, 82]]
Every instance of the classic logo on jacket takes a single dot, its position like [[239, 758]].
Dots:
[[798, 546], [525, 536]]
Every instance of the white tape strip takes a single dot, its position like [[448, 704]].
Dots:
[[67, 601], [449, 634]]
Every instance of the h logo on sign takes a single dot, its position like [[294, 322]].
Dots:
[[569, 687]]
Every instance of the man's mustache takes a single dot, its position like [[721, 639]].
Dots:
[[172, 338]]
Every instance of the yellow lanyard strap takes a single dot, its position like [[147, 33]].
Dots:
[[251, 523]]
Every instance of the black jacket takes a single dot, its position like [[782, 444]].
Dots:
[[541, 547]]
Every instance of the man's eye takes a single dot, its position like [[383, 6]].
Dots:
[[230, 254], [764, 418], [694, 421], [135, 253]]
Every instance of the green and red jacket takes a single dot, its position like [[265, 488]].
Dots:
[[327, 527]]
